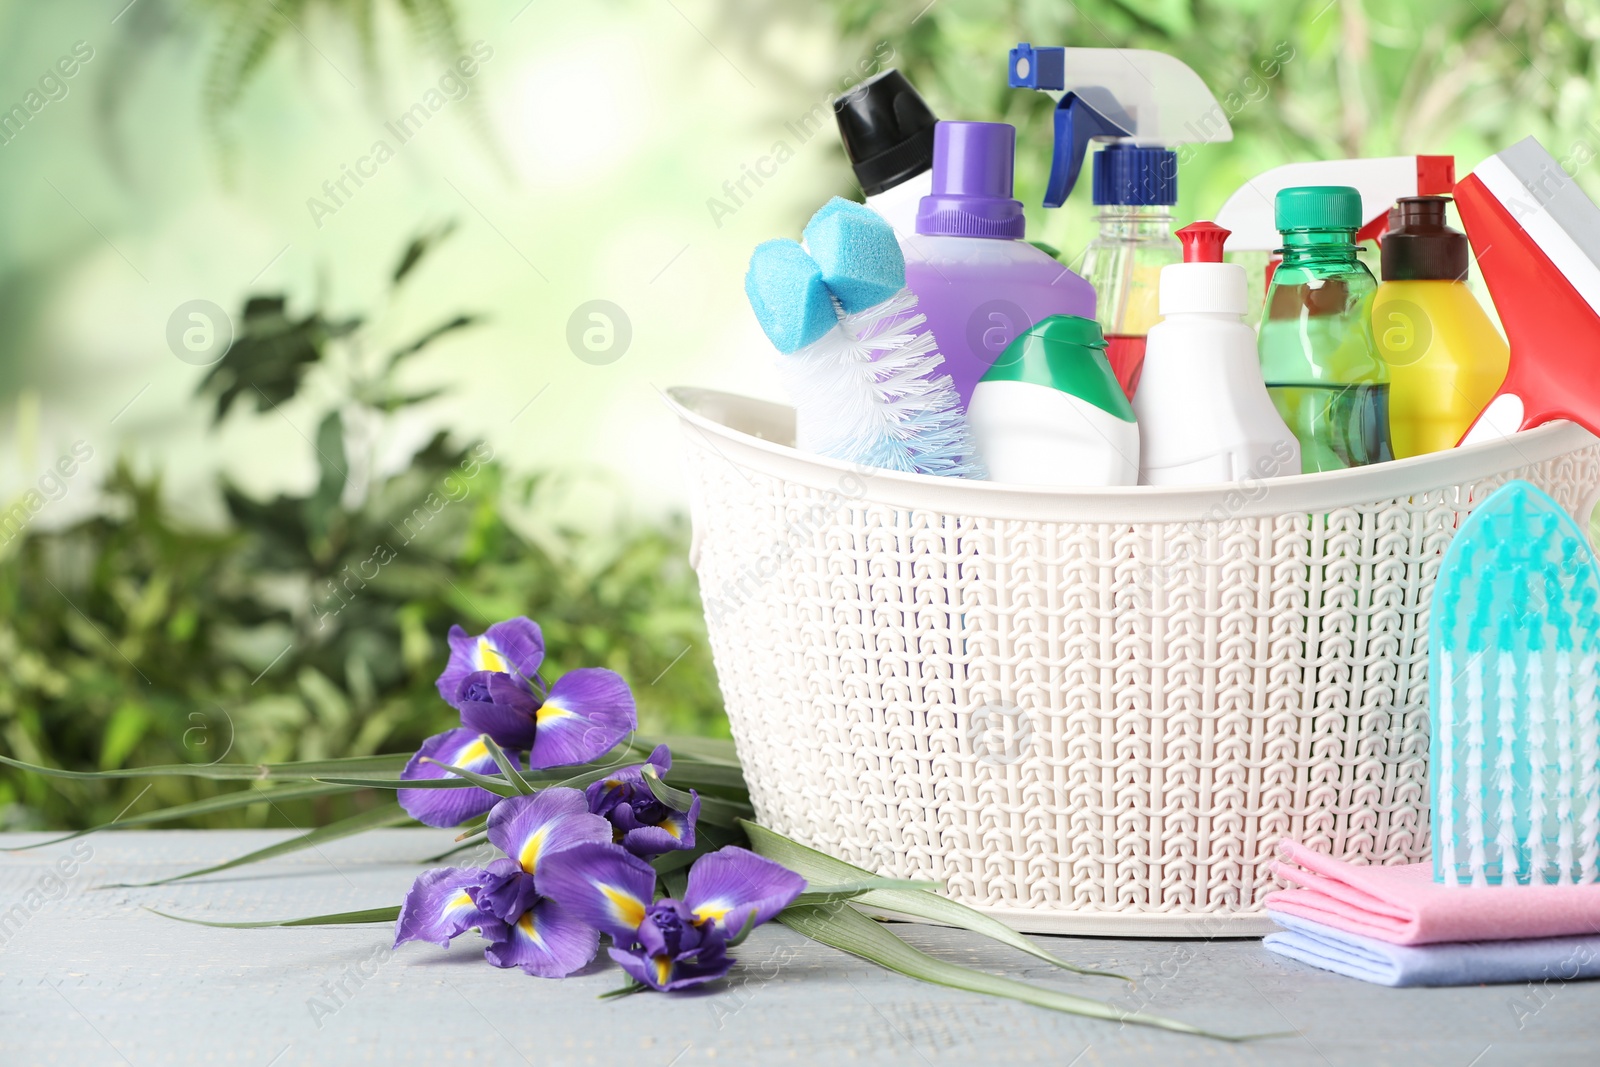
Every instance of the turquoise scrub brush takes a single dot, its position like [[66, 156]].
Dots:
[[1515, 693], [857, 356]]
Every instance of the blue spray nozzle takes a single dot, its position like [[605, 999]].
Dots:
[[1077, 123], [1134, 97], [1038, 68]]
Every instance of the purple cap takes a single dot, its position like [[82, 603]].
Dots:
[[972, 183]]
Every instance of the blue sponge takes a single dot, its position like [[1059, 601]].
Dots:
[[787, 294], [860, 258]]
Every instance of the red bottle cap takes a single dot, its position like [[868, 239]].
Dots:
[[1202, 242]]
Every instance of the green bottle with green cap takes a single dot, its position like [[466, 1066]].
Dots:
[[1049, 410], [1318, 358]]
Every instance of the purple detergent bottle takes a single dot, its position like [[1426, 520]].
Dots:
[[979, 283]]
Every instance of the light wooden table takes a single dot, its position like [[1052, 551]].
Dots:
[[88, 977]]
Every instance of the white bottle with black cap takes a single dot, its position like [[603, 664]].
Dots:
[[1203, 411], [887, 131]]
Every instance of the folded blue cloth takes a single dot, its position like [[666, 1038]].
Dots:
[[1447, 963]]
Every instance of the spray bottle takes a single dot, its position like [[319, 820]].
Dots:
[[1203, 410], [1141, 103], [980, 284], [887, 132]]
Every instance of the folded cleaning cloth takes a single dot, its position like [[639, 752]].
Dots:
[[1448, 963], [1404, 906]]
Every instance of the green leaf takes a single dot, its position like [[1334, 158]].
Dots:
[[369, 915], [126, 726], [840, 926], [507, 766], [332, 464], [705, 749], [381, 816], [226, 802], [419, 248], [498, 786], [404, 783], [712, 809], [826, 894], [626, 991], [817, 868], [460, 322], [304, 769]]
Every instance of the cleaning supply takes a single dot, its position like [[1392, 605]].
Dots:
[[1403, 905], [1379, 181], [857, 356], [978, 282], [1050, 412], [1203, 410], [1141, 103], [1449, 964], [1317, 354], [1514, 759], [1445, 358], [887, 132], [1544, 277]]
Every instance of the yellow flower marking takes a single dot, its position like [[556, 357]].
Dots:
[[472, 753], [489, 659], [529, 856], [628, 908], [663, 968], [671, 827], [457, 902], [525, 924], [712, 912], [548, 711]]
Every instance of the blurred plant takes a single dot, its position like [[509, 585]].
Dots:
[[310, 627], [245, 34]]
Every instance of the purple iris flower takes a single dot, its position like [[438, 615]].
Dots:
[[581, 718], [671, 944], [448, 807], [494, 681], [514, 647], [642, 824], [506, 901]]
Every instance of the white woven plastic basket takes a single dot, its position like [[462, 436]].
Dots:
[[1086, 711]]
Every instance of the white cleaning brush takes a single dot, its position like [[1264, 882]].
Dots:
[[857, 357]]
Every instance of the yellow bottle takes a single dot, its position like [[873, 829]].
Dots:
[[1446, 360]]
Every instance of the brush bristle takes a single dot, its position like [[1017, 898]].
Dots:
[[868, 394]]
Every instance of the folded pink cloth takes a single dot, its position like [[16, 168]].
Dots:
[[1405, 906]]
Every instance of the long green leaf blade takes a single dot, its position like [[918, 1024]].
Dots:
[[381, 816], [507, 765], [822, 869], [826, 894], [401, 783], [840, 926], [712, 809], [304, 769], [490, 783], [210, 805], [369, 915]]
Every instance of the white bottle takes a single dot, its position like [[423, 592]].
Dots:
[[1203, 410], [1050, 411]]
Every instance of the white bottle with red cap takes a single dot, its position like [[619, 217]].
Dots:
[[1203, 411]]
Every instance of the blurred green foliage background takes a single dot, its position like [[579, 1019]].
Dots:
[[263, 555]]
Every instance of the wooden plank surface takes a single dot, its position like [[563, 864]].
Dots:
[[88, 977]]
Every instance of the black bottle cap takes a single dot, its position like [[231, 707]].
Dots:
[[1420, 245], [887, 131]]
